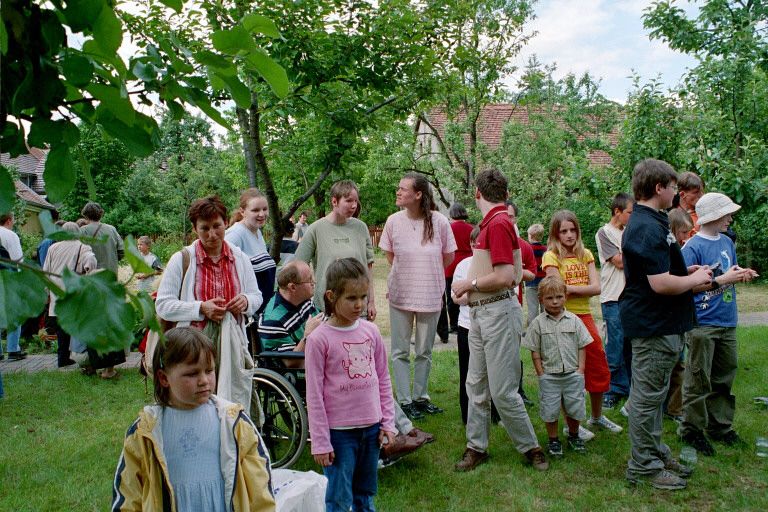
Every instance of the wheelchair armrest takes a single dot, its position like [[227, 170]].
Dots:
[[289, 354]]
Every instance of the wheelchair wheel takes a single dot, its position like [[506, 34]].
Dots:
[[286, 426]]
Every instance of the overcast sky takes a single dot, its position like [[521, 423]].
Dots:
[[605, 38]]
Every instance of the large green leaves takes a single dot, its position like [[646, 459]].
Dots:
[[7, 191], [22, 295], [94, 309], [60, 173]]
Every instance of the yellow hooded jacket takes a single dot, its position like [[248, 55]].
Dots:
[[142, 482]]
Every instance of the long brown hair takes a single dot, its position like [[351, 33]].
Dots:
[[427, 204], [553, 243], [182, 344]]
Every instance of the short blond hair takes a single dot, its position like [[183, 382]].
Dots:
[[536, 232], [551, 284]]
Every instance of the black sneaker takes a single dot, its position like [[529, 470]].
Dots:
[[555, 448], [412, 412], [576, 444], [17, 356], [730, 438], [610, 402], [426, 407], [698, 441]]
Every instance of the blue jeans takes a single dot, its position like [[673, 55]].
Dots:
[[12, 342], [352, 476], [614, 350]]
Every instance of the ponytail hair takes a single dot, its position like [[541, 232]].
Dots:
[[336, 277], [247, 195]]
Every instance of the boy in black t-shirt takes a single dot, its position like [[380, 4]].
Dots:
[[656, 309]]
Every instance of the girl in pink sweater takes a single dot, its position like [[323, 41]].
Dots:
[[349, 394]]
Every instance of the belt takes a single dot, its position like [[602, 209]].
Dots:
[[490, 300]]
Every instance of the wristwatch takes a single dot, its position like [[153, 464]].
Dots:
[[715, 284], [474, 285]]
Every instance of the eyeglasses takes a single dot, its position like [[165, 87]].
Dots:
[[673, 187], [313, 283]]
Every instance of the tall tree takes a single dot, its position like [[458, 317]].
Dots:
[[722, 105], [345, 61], [480, 40]]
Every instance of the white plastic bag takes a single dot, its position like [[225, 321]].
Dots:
[[235, 379], [299, 491]]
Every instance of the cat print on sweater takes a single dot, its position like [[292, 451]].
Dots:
[[359, 358]]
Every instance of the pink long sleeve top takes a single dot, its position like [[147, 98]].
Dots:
[[347, 381]]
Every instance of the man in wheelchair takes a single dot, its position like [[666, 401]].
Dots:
[[290, 315], [287, 320]]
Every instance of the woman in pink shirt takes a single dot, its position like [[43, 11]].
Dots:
[[419, 244]]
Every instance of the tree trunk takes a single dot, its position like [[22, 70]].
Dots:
[[249, 150]]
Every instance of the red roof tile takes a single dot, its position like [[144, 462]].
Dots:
[[491, 124]]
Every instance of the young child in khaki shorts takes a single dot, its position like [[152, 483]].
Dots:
[[556, 339]]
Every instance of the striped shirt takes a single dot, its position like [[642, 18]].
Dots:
[[281, 326], [215, 279]]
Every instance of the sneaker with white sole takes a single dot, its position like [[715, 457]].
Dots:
[[605, 423], [584, 434], [624, 411]]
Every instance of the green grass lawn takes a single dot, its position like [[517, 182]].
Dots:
[[62, 434]]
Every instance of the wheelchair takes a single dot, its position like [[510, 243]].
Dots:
[[281, 392]]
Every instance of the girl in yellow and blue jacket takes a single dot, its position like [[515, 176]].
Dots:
[[193, 451]]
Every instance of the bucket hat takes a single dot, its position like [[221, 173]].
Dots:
[[712, 206]]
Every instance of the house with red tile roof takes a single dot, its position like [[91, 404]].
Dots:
[[430, 131], [30, 186]]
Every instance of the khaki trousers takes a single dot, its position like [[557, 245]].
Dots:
[[494, 373]]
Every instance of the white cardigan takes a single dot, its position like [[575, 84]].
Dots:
[[187, 309]]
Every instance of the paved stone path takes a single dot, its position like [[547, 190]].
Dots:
[[47, 362]]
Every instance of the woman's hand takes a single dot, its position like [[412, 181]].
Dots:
[[237, 305], [312, 323], [214, 309], [324, 459]]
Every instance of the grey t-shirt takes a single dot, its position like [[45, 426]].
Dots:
[[109, 251], [325, 242]]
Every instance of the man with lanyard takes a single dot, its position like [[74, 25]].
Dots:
[[496, 327]]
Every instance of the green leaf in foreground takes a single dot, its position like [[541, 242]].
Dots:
[[257, 23], [134, 258], [94, 310], [22, 295], [60, 174], [7, 190]]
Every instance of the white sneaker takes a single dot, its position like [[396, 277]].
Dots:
[[605, 423], [624, 411], [584, 434]]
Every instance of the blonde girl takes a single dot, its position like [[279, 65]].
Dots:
[[567, 257]]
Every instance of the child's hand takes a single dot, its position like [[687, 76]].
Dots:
[[389, 436], [324, 459]]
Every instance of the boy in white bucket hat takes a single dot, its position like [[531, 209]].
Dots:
[[708, 404]]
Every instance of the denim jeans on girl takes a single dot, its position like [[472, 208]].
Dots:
[[352, 477]]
